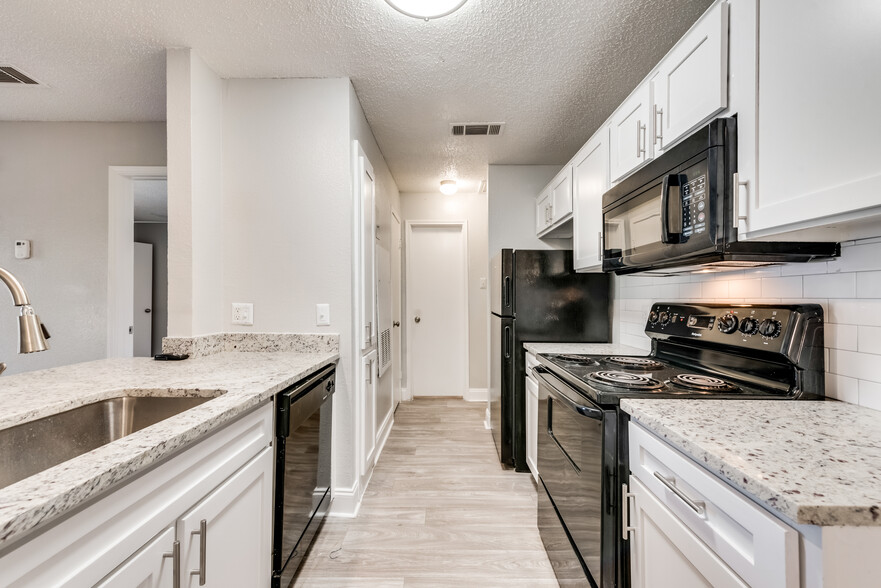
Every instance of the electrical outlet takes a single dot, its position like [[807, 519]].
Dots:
[[242, 313], [483, 283], [322, 315]]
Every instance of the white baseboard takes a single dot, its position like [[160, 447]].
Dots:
[[405, 395], [346, 502], [487, 421], [477, 394], [384, 433]]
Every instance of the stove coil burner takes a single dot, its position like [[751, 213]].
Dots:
[[625, 380], [703, 383], [575, 358], [634, 363]]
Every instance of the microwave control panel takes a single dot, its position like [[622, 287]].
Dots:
[[694, 206]]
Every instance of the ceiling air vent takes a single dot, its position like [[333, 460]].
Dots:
[[10, 75], [476, 129]]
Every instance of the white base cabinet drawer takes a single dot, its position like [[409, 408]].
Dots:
[[758, 547]]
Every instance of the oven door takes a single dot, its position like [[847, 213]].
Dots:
[[571, 437], [676, 216]]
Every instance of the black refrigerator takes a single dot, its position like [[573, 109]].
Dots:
[[535, 296]]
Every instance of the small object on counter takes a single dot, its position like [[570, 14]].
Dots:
[[170, 356]]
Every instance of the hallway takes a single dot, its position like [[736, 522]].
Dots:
[[439, 511]]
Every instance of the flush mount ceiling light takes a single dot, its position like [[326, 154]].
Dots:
[[448, 187], [426, 9]]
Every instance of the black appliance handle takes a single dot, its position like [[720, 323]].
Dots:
[[508, 344], [591, 412], [506, 292], [667, 236]]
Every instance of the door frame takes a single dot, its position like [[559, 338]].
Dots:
[[120, 252], [397, 290], [410, 225]]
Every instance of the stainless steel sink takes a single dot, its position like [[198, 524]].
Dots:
[[32, 447]]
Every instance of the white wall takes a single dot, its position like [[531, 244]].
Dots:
[[195, 156], [157, 235], [54, 192], [472, 208], [849, 289], [511, 192]]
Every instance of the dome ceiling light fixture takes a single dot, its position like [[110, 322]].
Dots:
[[448, 187], [426, 9]]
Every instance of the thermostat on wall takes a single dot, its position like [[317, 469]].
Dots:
[[22, 249]]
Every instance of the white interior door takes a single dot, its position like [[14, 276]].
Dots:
[[396, 309], [143, 300], [437, 312]]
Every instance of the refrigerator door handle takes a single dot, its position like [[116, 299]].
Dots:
[[507, 342], [506, 302]]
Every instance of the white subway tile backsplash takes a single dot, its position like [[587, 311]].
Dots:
[[856, 258], [713, 289], [870, 342], [690, 291], [788, 287], [854, 312], [870, 395], [804, 269], [843, 388], [745, 288], [868, 285], [863, 366], [830, 286], [841, 336]]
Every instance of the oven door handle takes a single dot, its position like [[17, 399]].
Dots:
[[590, 412], [667, 236]]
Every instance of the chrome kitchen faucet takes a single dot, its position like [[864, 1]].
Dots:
[[32, 334]]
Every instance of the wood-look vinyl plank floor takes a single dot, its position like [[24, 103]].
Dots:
[[439, 511]]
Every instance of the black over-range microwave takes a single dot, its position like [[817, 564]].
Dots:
[[678, 212]]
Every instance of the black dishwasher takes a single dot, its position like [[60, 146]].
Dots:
[[302, 470]]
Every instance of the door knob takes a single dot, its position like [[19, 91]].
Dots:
[[147, 310], [417, 319], [396, 324]]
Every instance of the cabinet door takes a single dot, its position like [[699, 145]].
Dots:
[[147, 568], [691, 84], [532, 426], [561, 195], [542, 211], [630, 131], [819, 157], [226, 538], [664, 553], [591, 175], [366, 191]]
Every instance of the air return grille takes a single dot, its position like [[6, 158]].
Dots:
[[10, 75], [385, 351], [476, 129]]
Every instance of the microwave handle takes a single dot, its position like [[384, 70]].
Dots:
[[668, 236]]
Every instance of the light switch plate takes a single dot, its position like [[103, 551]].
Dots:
[[322, 315], [242, 313], [22, 249], [483, 283]]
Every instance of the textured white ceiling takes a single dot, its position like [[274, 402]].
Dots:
[[553, 70]]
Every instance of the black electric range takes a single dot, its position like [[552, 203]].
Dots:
[[746, 351]]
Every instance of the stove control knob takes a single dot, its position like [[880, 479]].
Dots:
[[728, 323], [653, 317], [770, 328], [749, 326], [664, 317]]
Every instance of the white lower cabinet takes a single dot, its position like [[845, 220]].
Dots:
[[664, 553], [531, 417], [127, 537]]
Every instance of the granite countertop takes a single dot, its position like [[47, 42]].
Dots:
[[246, 379], [815, 463], [584, 348]]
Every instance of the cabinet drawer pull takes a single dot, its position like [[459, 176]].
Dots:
[[600, 246], [203, 544], [626, 529], [697, 506], [175, 562]]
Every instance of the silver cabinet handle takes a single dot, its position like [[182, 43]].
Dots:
[[625, 512], [640, 139], [368, 328], [203, 545], [600, 246], [658, 119], [396, 324], [735, 200], [175, 562], [697, 506]]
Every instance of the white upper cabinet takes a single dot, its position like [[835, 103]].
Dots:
[[591, 180], [554, 206], [817, 155], [630, 131], [691, 82]]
